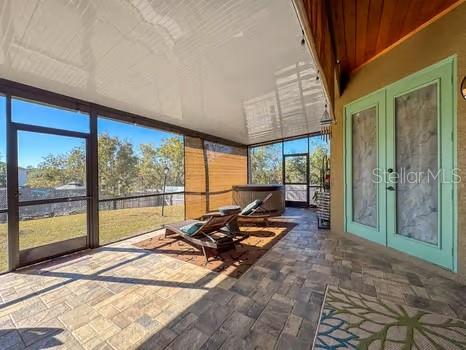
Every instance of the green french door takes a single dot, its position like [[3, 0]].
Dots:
[[412, 190], [420, 149]]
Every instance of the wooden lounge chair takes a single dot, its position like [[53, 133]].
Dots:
[[254, 211], [208, 234]]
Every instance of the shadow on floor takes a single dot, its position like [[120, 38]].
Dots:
[[36, 338], [96, 276]]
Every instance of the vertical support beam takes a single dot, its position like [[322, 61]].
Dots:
[[248, 168], [93, 183], [283, 165], [12, 190], [184, 177], [308, 161]]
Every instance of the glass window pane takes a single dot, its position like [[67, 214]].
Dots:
[[50, 166], [364, 153], [119, 219], [28, 112], [49, 223], [416, 154], [296, 169], [265, 164], [295, 146]]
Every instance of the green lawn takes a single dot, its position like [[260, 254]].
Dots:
[[113, 225]]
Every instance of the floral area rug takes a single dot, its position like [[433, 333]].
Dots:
[[351, 320]]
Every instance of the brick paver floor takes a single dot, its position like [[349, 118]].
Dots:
[[124, 297]]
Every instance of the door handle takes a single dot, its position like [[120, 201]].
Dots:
[[391, 188]]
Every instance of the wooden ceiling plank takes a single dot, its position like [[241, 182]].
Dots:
[[375, 13], [413, 32], [362, 18], [363, 29], [338, 23], [389, 11], [396, 24], [349, 9]]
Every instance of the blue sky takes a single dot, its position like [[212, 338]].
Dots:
[[32, 147], [300, 145]]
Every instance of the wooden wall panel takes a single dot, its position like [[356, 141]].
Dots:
[[195, 179], [354, 32], [227, 166], [211, 169], [362, 29]]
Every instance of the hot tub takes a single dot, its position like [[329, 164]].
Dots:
[[245, 194]]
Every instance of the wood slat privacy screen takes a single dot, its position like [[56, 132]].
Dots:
[[211, 169]]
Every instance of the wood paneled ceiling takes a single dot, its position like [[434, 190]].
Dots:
[[362, 29]]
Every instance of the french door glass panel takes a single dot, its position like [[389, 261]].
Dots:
[[416, 135], [364, 155]]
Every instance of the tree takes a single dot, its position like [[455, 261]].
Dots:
[[296, 171], [75, 166], [266, 164], [149, 172], [2, 172], [153, 160], [171, 154], [121, 170], [57, 170], [117, 166], [315, 159], [48, 173]]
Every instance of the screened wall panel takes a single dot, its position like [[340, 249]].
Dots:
[[266, 164], [141, 179]]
